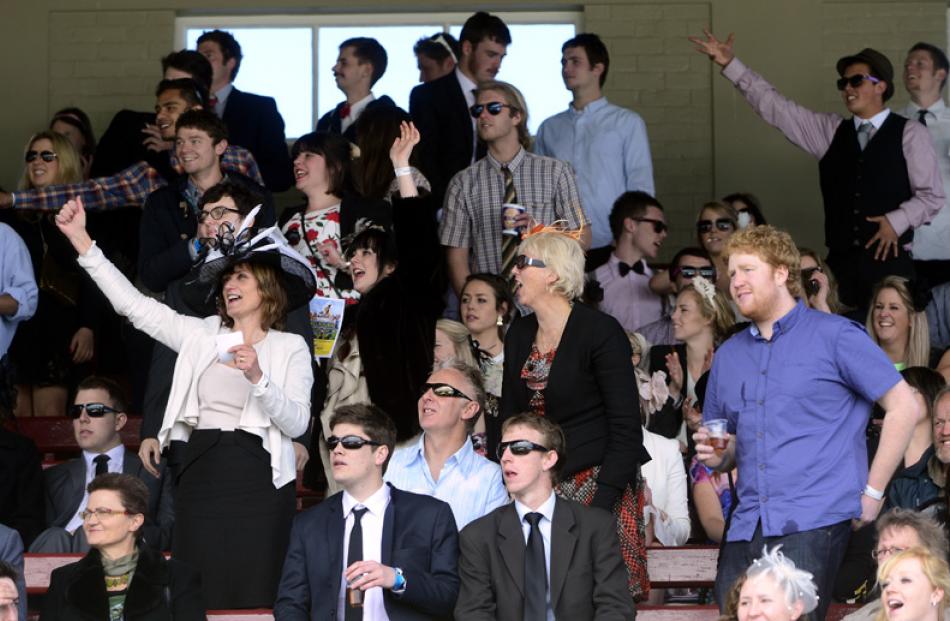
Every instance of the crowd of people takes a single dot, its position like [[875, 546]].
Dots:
[[519, 399]]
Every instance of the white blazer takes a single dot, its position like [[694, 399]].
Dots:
[[278, 407], [666, 476]]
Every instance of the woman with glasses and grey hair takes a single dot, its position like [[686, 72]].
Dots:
[[775, 589]]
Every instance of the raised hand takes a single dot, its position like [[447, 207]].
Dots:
[[153, 139], [720, 52], [675, 370], [71, 221], [402, 147]]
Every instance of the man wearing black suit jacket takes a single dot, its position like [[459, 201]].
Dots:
[[440, 108], [361, 63], [398, 549], [98, 415], [253, 120], [540, 557]]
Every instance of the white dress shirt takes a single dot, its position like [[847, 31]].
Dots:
[[546, 510], [932, 241], [116, 462], [374, 608], [356, 110]]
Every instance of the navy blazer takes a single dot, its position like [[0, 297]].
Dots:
[[331, 121], [254, 123], [419, 537]]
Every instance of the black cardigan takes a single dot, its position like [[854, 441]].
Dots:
[[591, 393], [668, 420]]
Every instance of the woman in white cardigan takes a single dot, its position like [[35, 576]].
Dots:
[[240, 392]]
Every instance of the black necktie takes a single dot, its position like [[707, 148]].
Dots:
[[922, 116], [102, 464], [624, 269], [535, 573], [355, 553], [509, 243]]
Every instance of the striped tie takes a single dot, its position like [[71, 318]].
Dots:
[[509, 243]]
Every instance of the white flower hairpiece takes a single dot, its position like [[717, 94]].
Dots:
[[653, 390], [705, 288]]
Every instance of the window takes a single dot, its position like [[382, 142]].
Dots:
[[291, 57]]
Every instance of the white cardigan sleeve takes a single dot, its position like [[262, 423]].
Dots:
[[288, 406], [148, 315]]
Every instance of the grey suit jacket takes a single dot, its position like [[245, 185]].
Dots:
[[588, 578], [11, 551], [66, 482]]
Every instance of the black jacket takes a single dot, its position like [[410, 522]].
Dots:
[[160, 590], [254, 123], [668, 420], [21, 486], [331, 121]]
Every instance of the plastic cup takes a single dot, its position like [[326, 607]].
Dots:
[[717, 434], [354, 595], [509, 215]]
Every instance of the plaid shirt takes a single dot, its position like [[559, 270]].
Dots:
[[129, 187], [472, 216]]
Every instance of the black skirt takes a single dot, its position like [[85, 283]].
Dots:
[[231, 523]]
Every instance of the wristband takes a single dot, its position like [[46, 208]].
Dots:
[[400, 583], [403, 171], [870, 492]]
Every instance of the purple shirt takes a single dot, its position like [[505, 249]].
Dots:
[[814, 131], [629, 298], [798, 405]]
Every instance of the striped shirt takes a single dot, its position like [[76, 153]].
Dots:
[[472, 216]]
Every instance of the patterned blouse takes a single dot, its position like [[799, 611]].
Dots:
[[535, 374], [320, 227]]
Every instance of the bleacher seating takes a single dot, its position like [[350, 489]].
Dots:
[[54, 437]]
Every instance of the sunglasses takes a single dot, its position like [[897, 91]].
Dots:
[[47, 156], [522, 262], [101, 513], [445, 390], [519, 447], [494, 108], [94, 410], [216, 213], [658, 225], [350, 443], [723, 224], [691, 272], [855, 81]]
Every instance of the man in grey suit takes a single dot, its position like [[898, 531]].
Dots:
[[540, 557], [98, 414]]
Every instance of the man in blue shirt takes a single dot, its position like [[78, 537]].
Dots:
[[442, 463], [18, 293], [606, 144], [796, 388]]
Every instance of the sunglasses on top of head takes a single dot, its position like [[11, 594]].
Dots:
[[46, 156], [350, 443], [723, 224], [519, 447], [494, 108], [855, 81], [94, 410]]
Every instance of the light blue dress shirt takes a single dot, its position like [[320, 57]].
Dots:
[[608, 147], [16, 279], [469, 483]]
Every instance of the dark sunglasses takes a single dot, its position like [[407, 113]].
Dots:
[[494, 108], [519, 447], [95, 410], [723, 224], [444, 390], [350, 443], [658, 225], [47, 156], [708, 273], [522, 262], [216, 213], [855, 81]]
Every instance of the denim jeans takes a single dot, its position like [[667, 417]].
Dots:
[[818, 551]]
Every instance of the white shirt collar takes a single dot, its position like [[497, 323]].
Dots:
[[877, 120], [467, 87], [546, 509], [357, 108], [376, 503], [936, 107], [116, 456]]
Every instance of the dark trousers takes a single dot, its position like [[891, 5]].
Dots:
[[818, 551], [857, 271]]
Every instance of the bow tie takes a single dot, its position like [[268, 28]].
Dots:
[[624, 269], [345, 111]]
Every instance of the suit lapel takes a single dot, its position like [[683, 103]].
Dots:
[[563, 541], [511, 545], [76, 486], [334, 542], [389, 525]]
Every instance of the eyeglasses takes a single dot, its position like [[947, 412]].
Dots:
[[522, 262], [94, 410], [47, 156], [881, 552], [494, 108], [855, 80], [691, 272], [101, 513], [658, 225], [519, 447], [723, 224], [445, 390], [216, 213], [350, 443]]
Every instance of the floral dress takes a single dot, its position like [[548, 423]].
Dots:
[[320, 227]]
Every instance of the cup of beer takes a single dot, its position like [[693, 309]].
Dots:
[[354, 595], [509, 216], [717, 434]]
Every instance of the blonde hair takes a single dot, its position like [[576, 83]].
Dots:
[[917, 353], [563, 256], [773, 246], [459, 335], [70, 164], [717, 310], [516, 103], [722, 209], [797, 584], [933, 567]]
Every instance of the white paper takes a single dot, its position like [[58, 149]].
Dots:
[[227, 341]]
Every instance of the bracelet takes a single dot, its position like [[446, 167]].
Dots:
[[403, 171], [870, 492]]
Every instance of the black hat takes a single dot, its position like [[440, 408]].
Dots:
[[880, 67]]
